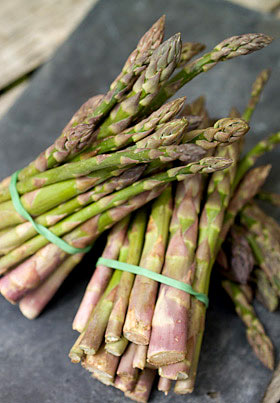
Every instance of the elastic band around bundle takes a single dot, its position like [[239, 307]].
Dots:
[[160, 278], [50, 236]]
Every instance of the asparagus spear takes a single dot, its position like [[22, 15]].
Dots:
[[75, 139], [256, 335], [185, 386], [117, 316], [265, 293], [101, 275], [140, 356], [21, 233], [98, 321], [263, 242], [227, 49], [224, 132], [206, 165], [168, 340], [34, 302], [117, 347], [125, 369], [247, 189], [236, 259], [124, 384], [257, 151], [118, 160], [95, 327], [210, 224], [189, 50], [164, 385], [273, 198], [77, 118], [197, 108], [103, 365], [256, 93], [162, 64], [135, 133], [25, 276], [76, 354], [137, 326], [143, 386]]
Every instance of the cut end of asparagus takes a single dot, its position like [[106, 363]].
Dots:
[[28, 311], [166, 358], [103, 377], [184, 387], [135, 337]]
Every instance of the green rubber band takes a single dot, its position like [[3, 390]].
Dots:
[[50, 236], [115, 264]]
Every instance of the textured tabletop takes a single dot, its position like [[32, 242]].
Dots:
[[34, 364]]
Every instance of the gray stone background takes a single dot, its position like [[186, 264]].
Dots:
[[34, 364]]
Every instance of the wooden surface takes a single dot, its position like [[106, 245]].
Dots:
[[30, 30], [260, 5]]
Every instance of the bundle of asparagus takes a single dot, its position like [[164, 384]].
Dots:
[[114, 156], [120, 151], [131, 327]]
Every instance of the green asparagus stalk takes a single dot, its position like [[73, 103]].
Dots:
[[135, 133], [103, 365], [76, 354], [75, 139], [189, 50], [265, 293], [125, 369], [118, 313], [210, 224], [94, 330], [137, 326], [140, 357], [34, 302], [21, 233], [168, 340], [224, 132], [256, 93], [61, 191], [236, 259], [197, 109], [185, 386], [227, 49], [206, 165], [257, 151], [272, 198], [117, 347], [34, 270], [117, 160], [248, 188], [256, 335], [77, 118], [143, 386], [162, 64], [101, 275], [263, 242], [98, 322]]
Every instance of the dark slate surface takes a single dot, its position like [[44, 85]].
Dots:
[[34, 365]]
